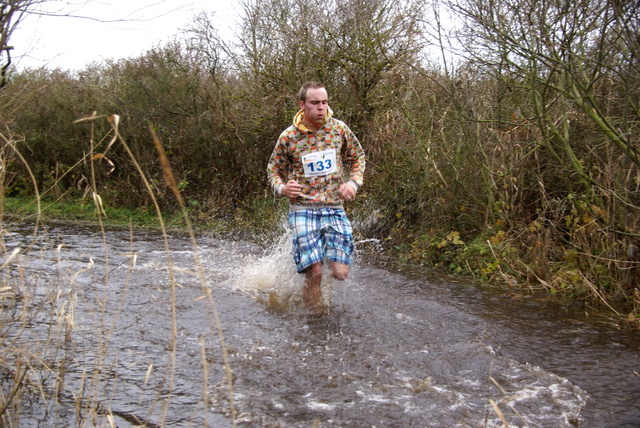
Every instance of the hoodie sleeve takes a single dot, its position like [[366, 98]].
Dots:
[[353, 158], [278, 166]]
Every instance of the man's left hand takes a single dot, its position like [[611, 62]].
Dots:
[[347, 192]]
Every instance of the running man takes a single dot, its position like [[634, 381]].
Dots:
[[309, 165]]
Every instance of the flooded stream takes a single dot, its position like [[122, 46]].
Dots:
[[398, 349]]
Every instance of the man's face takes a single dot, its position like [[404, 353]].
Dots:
[[316, 105]]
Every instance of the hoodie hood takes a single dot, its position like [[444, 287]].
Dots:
[[297, 119]]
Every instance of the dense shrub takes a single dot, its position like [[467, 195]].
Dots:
[[518, 165]]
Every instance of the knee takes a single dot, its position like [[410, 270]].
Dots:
[[314, 271], [340, 271]]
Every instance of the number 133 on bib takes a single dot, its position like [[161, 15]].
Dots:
[[319, 163]]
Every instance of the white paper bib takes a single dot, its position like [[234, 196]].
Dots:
[[321, 163]]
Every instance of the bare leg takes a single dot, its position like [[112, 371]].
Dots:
[[340, 271], [311, 293]]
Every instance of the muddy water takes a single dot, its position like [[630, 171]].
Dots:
[[398, 349]]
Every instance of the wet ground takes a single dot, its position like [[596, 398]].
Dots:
[[119, 329]]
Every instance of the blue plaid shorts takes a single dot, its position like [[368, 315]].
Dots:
[[318, 234]]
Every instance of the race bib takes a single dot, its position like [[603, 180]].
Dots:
[[319, 163]]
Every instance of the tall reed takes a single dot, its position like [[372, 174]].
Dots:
[[59, 344]]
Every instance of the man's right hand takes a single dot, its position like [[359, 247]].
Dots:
[[292, 189]]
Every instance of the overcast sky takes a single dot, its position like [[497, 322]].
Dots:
[[111, 29]]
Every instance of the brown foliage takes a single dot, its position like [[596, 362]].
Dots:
[[527, 149]]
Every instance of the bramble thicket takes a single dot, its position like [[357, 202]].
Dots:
[[502, 145]]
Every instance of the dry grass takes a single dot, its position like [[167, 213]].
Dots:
[[60, 361]]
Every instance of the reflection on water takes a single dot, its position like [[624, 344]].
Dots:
[[397, 349]]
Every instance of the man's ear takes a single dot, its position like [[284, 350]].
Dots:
[[301, 103]]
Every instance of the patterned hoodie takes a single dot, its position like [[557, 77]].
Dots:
[[318, 160]]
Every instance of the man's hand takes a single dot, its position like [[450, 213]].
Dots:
[[291, 190], [347, 192]]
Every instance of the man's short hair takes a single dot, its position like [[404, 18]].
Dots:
[[302, 95]]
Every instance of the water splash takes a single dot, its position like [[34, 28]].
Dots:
[[273, 280]]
